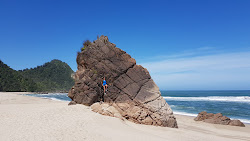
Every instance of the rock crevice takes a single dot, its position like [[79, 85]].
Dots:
[[132, 93]]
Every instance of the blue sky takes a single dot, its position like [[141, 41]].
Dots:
[[185, 44]]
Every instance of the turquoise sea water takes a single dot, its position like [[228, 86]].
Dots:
[[234, 104]]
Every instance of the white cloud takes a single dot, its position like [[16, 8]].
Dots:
[[217, 71]]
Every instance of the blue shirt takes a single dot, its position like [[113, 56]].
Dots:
[[104, 82]]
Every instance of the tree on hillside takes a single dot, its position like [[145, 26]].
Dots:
[[52, 76]]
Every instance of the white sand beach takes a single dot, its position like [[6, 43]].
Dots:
[[31, 118]]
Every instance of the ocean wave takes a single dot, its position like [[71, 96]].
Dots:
[[183, 107], [185, 114], [53, 94], [52, 98], [245, 99]]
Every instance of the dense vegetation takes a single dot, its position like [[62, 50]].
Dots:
[[11, 80], [53, 76]]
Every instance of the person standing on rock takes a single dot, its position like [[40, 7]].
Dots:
[[105, 85]]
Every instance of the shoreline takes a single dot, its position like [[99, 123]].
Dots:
[[245, 121], [33, 118]]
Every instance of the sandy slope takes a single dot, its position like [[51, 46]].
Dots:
[[31, 118]]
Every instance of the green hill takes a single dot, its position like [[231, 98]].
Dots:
[[53, 76], [11, 80]]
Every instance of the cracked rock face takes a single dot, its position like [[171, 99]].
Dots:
[[131, 91]]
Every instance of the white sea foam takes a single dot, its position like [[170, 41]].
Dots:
[[185, 114], [52, 98], [245, 99], [54, 94]]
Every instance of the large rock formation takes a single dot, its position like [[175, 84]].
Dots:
[[131, 91], [217, 119]]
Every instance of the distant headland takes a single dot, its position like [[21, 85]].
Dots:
[[53, 76]]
